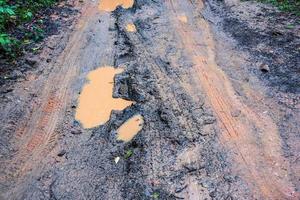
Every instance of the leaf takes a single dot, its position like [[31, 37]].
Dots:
[[10, 11], [4, 39], [155, 195], [35, 49], [26, 42], [128, 154], [29, 15], [290, 26]]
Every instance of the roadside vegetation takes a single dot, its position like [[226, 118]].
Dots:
[[291, 6], [16, 29]]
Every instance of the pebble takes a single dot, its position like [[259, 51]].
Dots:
[[264, 68], [76, 131], [31, 61]]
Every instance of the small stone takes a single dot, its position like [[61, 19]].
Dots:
[[235, 113], [209, 120], [117, 159], [32, 61], [16, 74], [76, 131], [264, 68], [8, 90]]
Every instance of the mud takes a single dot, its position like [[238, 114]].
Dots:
[[213, 125]]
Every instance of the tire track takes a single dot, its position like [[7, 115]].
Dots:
[[242, 134], [37, 134]]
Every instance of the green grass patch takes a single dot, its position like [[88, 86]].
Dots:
[[128, 154], [13, 14], [291, 6]]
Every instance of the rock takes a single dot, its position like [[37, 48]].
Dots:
[[7, 90], [25, 67], [32, 61], [179, 190], [16, 74], [117, 159], [76, 131], [264, 68], [235, 113], [209, 120]]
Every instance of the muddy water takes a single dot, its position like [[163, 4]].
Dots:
[[130, 28], [183, 18], [111, 5], [96, 101], [130, 128]]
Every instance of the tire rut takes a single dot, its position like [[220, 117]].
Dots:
[[239, 133], [38, 134]]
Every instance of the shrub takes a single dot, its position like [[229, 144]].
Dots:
[[13, 14], [292, 6]]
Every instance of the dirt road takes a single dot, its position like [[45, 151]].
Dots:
[[155, 100]]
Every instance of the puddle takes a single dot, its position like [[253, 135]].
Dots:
[[130, 128], [111, 5], [130, 28], [183, 18], [96, 101]]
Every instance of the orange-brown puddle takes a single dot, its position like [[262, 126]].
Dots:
[[111, 5], [130, 128], [96, 101], [130, 28], [183, 18]]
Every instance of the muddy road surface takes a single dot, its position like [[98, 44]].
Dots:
[[158, 99]]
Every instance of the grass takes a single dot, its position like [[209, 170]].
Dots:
[[155, 195], [291, 6], [128, 154], [13, 15]]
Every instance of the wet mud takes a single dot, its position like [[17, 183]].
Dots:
[[184, 113]]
